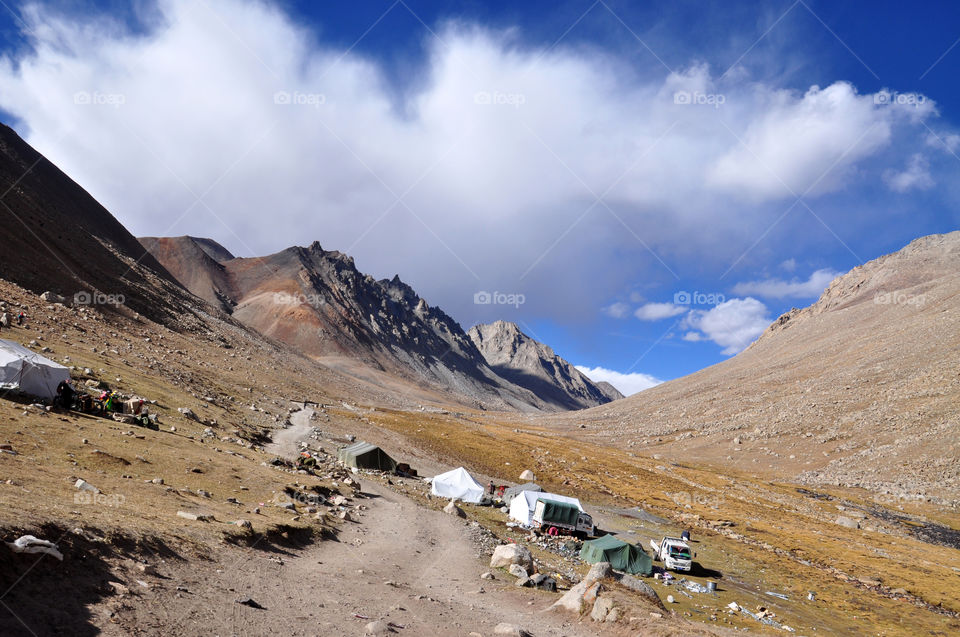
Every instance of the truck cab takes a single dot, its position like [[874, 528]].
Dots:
[[674, 552]]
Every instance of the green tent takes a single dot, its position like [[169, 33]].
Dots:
[[621, 555], [363, 455]]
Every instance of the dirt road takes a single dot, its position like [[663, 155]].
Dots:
[[416, 568]]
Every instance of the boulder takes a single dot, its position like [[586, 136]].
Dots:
[[512, 630], [601, 608], [523, 582], [527, 476], [453, 509], [378, 628], [643, 589], [51, 297], [507, 554], [516, 570], [850, 523]]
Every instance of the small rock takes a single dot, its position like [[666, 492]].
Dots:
[[378, 628], [671, 600], [487, 575], [246, 601], [453, 509], [517, 571], [193, 516], [504, 628]]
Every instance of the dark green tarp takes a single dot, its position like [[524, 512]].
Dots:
[[363, 455], [622, 556], [562, 512]]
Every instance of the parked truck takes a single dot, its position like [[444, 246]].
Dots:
[[674, 552], [552, 517]]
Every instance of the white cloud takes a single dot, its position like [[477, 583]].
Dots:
[[948, 142], [226, 118], [915, 176], [627, 383], [658, 311], [813, 287], [733, 324], [789, 265], [617, 310], [807, 145]]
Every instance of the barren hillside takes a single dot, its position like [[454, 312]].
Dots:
[[859, 389]]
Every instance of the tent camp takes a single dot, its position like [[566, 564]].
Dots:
[[363, 455], [512, 492], [457, 484], [523, 504], [622, 556], [28, 371]]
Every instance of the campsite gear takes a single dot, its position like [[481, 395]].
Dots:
[[674, 552], [553, 516], [622, 556], [29, 372], [523, 504], [711, 587], [457, 484], [363, 455], [404, 470], [512, 492]]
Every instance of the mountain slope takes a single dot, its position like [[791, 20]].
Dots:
[[56, 237], [318, 302], [190, 261], [531, 364], [860, 389]]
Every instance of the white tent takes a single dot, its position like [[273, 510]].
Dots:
[[457, 484], [28, 371], [522, 505]]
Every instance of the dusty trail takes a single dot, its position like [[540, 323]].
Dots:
[[401, 563]]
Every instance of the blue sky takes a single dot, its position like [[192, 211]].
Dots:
[[644, 188]]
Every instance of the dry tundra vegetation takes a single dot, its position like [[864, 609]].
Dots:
[[896, 574], [756, 534]]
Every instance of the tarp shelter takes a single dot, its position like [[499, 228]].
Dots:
[[29, 372], [364, 455], [457, 484], [554, 511], [522, 505], [512, 492], [622, 556]]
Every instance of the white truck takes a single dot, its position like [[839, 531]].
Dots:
[[674, 552], [552, 517]]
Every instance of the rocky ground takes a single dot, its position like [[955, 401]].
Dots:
[[880, 567]]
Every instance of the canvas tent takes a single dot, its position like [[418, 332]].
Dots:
[[457, 484], [28, 371], [363, 455], [622, 556], [523, 504], [512, 492]]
